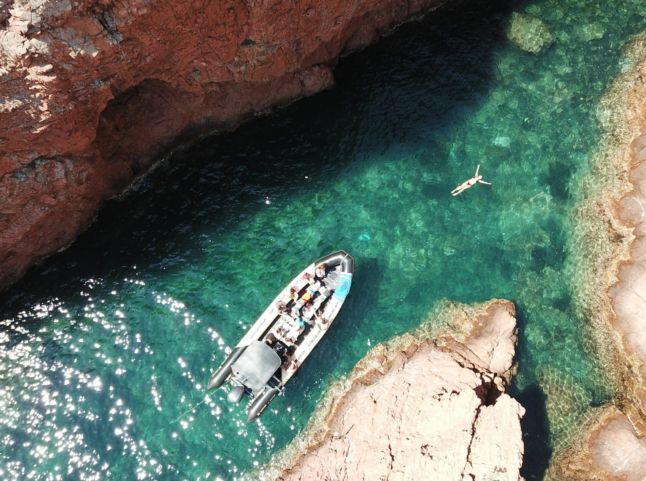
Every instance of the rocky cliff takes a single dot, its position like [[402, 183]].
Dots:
[[423, 406], [91, 91]]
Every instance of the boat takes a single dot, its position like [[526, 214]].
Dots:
[[276, 345]]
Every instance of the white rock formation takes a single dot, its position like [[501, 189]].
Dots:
[[419, 409]]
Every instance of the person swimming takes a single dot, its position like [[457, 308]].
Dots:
[[476, 179]]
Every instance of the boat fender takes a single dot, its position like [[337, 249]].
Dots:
[[224, 370], [260, 402]]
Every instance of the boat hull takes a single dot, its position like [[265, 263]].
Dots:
[[292, 326]]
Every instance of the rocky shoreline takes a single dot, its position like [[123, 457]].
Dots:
[[91, 93], [613, 445], [381, 422]]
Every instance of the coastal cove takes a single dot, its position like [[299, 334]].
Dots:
[[112, 341]]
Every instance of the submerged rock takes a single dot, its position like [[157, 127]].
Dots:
[[422, 407], [591, 31], [502, 141], [529, 33]]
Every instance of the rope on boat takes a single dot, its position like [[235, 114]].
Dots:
[[189, 410]]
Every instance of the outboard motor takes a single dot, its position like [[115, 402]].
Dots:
[[235, 394]]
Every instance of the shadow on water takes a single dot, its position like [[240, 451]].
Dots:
[[535, 423], [366, 284], [535, 428], [558, 177], [223, 180]]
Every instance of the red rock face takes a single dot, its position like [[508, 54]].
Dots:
[[91, 91]]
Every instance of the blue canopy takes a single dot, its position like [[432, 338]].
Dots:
[[343, 286]]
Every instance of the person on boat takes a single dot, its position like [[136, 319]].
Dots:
[[293, 333], [324, 291], [292, 328], [271, 340], [321, 321], [282, 350], [476, 179], [293, 293], [295, 312], [286, 356], [310, 292], [286, 320], [308, 310], [320, 272], [300, 322], [293, 366]]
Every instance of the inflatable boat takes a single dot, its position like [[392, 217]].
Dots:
[[277, 344]]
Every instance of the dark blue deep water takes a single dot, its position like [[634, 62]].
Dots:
[[105, 348]]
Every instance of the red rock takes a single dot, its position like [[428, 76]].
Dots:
[[104, 87]]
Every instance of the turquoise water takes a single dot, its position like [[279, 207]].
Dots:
[[106, 348]]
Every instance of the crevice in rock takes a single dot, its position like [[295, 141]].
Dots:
[[488, 391], [391, 464], [392, 456], [105, 17], [473, 435]]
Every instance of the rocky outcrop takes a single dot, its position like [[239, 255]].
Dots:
[[422, 406], [92, 91], [629, 294], [615, 452], [613, 447]]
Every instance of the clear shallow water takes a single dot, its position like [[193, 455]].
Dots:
[[105, 348]]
